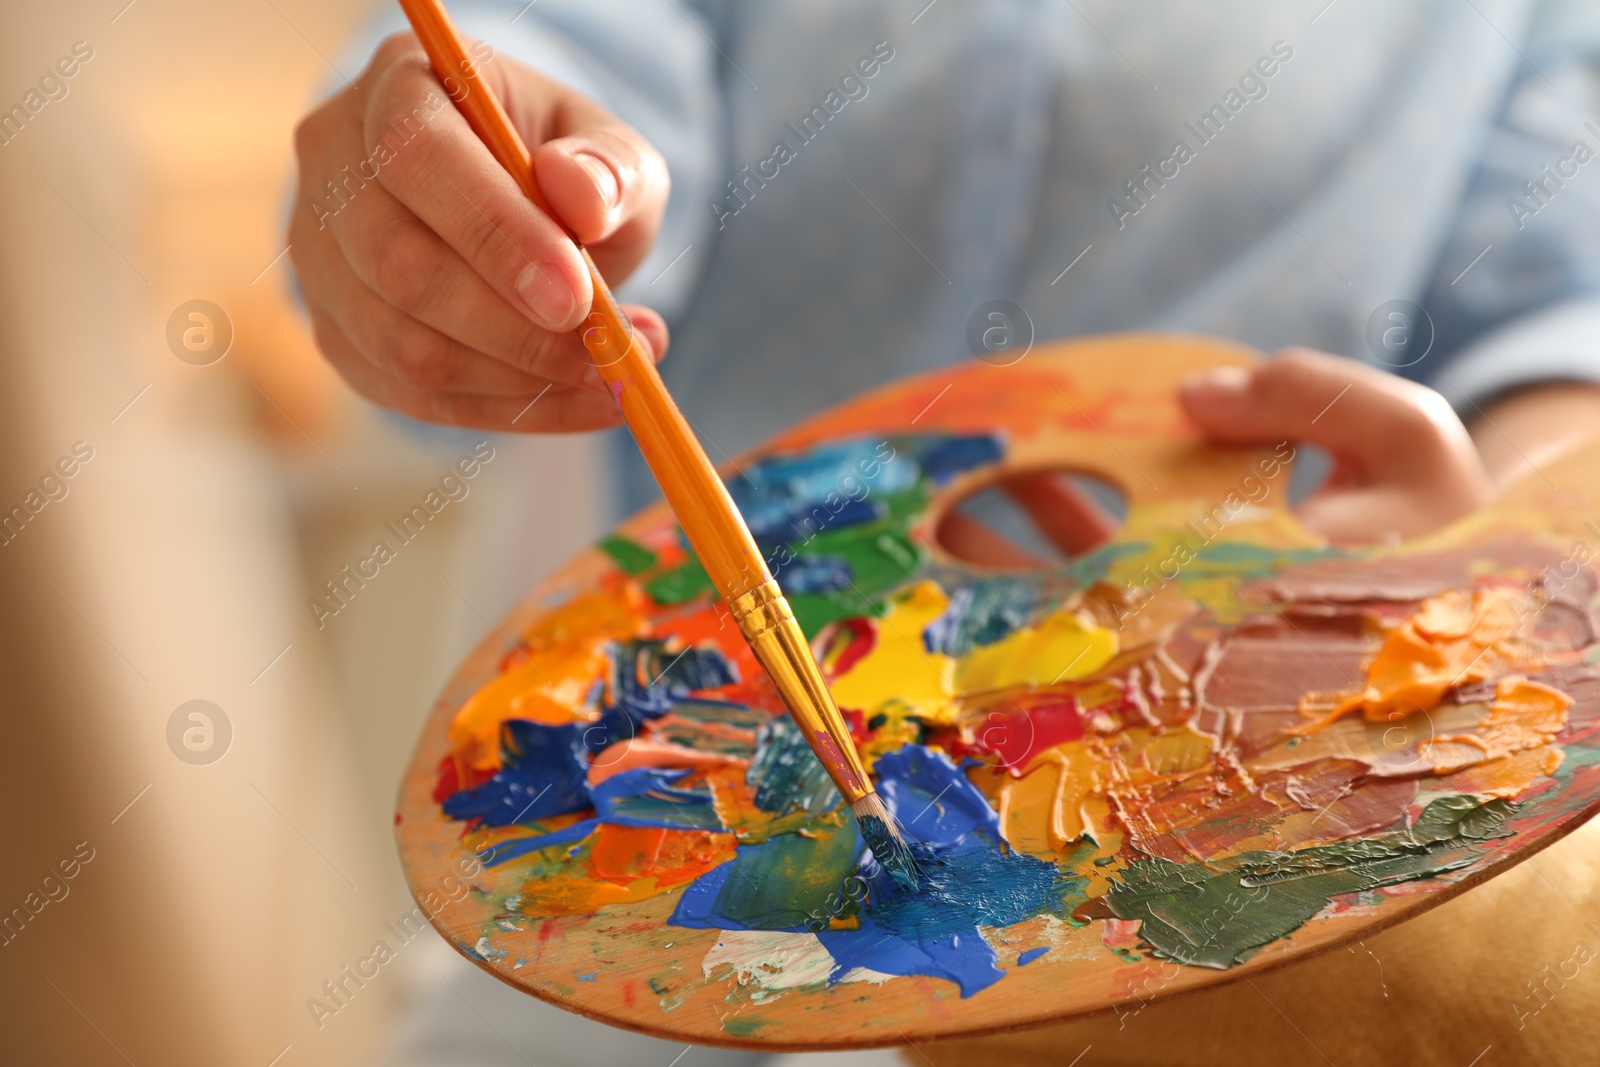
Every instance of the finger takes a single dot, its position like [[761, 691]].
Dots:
[[398, 258], [654, 328], [966, 538], [557, 409], [437, 167], [1378, 513], [1070, 518], [1404, 463], [609, 186], [1378, 423], [404, 348]]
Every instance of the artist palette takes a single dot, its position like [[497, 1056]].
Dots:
[[1210, 746]]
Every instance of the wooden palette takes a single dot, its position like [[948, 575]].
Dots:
[[1164, 789]]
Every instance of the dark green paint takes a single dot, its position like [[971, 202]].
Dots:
[[1218, 917]]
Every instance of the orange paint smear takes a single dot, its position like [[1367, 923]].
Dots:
[[996, 389], [1508, 776], [1453, 639], [627, 864], [1070, 792], [480, 837], [564, 655], [636, 752], [1525, 715], [734, 801]]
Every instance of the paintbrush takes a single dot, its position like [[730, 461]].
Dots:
[[710, 521]]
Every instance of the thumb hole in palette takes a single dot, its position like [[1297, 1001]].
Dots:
[[1033, 520]]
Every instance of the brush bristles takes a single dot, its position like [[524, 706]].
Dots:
[[888, 844]]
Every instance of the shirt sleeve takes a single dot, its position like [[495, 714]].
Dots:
[[656, 65], [1514, 298]]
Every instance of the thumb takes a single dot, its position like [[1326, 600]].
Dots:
[[1404, 463]]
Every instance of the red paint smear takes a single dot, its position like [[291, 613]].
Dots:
[[397, 818], [1018, 730], [857, 721], [514, 657], [627, 992], [450, 780], [858, 635]]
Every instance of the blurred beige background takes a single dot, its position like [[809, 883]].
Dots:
[[220, 897]]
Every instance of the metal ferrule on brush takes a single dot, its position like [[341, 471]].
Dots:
[[769, 627]]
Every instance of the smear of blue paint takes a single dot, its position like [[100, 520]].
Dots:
[[521, 846], [778, 494], [806, 573], [544, 769], [544, 772], [942, 457], [592, 976], [647, 680], [968, 882], [981, 614], [936, 805], [646, 796], [1032, 954]]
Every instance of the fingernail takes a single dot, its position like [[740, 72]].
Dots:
[[548, 296], [591, 378], [1221, 386], [604, 177]]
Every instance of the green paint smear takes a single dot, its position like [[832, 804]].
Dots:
[[813, 611], [787, 775], [743, 1027], [696, 738], [1219, 916], [650, 809], [629, 555], [685, 582], [882, 557], [712, 711], [909, 502], [790, 880], [881, 554]]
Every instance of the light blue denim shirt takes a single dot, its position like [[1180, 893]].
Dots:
[[854, 179]]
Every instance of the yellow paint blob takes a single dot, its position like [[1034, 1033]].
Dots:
[[1066, 645], [901, 678], [900, 669]]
